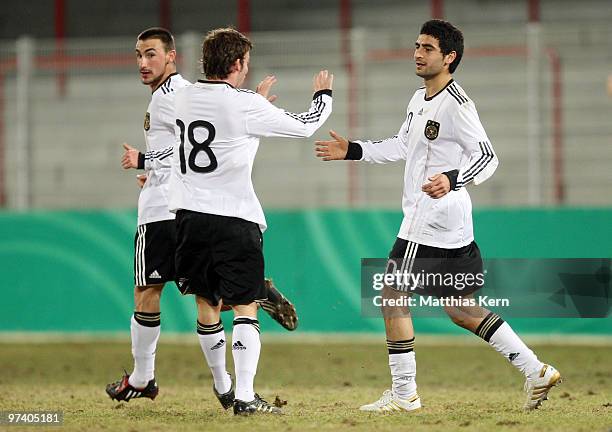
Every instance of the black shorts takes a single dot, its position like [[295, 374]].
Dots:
[[154, 248], [436, 271], [219, 258]]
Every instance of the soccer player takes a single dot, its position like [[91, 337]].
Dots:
[[219, 218], [155, 241], [445, 148]]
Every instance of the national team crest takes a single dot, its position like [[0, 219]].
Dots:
[[147, 121], [431, 130]]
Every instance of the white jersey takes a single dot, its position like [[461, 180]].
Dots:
[[441, 133], [159, 126], [218, 133]]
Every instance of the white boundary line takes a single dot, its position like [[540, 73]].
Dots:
[[301, 338]]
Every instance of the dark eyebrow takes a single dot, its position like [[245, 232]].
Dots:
[[416, 44], [145, 51]]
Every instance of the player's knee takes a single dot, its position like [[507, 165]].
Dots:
[[147, 297], [458, 318]]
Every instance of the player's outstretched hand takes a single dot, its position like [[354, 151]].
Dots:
[[130, 157], [438, 186], [141, 179], [263, 88], [332, 150], [323, 81]]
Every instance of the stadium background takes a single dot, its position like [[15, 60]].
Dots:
[[70, 95]]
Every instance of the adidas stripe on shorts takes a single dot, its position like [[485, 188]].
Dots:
[[154, 249], [442, 266]]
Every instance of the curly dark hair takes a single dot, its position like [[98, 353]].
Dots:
[[449, 37], [220, 50]]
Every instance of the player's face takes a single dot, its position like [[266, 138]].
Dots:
[[428, 58], [243, 68], [153, 61]]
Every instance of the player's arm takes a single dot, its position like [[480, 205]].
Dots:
[[133, 158], [481, 162], [383, 151], [264, 119], [153, 160], [481, 158]]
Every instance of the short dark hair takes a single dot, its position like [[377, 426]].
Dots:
[[220, 49], [159, 33], [449, 37]]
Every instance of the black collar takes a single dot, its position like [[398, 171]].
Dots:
[[441, 90], [215, 82], [164, 81]]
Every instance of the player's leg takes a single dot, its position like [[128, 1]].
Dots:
[[246, 347], [497, 333], [145, 330], [540, 378], [153, 266], [238, 262], [400, 339], [213, 342]]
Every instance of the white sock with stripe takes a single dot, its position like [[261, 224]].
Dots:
[[246, 347], [402, 363], [502, 338], [213, 341], [145, 330]]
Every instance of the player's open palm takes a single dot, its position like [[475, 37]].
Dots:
[[323, 81], [263, 88], [332, 150]]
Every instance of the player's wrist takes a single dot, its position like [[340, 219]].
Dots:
[[452, 178], [141, 161], [327, 92], [354, 151]]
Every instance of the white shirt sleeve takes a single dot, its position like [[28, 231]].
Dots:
[[387, 150], [165, 114], [264, 119], [471, 136], [158, 159]]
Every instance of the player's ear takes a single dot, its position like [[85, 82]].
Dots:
[[237, 66], [171, 56], [450, 57]]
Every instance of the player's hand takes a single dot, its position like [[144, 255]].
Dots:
[[263, 88], [438, 186], [332, 150], [141, 179], [130, 157], [323, 81]]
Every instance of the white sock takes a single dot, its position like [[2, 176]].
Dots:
[[213, 342], [245, 349], [403, 368], [500, 336], [144, 345]]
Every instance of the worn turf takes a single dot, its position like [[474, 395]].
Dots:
[[462, 387]]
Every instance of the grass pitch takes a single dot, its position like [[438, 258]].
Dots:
[[462, 387]]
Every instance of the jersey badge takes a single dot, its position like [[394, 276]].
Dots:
[[147, 122], [431, 130]]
